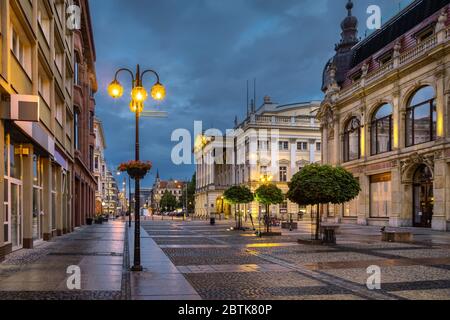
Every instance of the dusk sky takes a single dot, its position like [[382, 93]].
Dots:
[[205, 51]]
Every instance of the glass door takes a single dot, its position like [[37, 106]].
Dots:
[[423, 198], [16, 217]]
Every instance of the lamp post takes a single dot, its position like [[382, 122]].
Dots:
[[265, 179], [138, 96]]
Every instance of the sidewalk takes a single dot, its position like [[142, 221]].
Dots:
[[160, 280], [41, 273]]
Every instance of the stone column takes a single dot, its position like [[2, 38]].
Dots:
[[441, 175], [364, 200], [59, 203], [2, 175], [293, 159], [395, 219], [27, 197], [397, 123], [47, 198], [440, 103], [337, 141], [312, 151], [325, 144]]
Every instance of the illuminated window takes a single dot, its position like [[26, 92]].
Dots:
[[352, 140], [381, 131], [421, 117]]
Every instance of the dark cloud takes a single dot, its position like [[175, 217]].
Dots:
[[205, 50]]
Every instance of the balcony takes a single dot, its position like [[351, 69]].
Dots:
[[419, 51], [280, 121]]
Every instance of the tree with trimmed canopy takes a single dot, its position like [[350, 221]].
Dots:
[[238, 195], [317, 185], [269, 194]]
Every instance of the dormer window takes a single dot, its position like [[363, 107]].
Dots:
[[424, 34], [356, 76], [385, 58]]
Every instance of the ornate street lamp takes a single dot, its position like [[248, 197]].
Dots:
[[138, 96]]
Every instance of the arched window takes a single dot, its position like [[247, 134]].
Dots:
[[381, 135], [352, 140], [421, 117]]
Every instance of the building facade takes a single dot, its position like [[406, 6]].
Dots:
[[100, 165], [110, 200], [85, 86], [37, 125], [274, 141], [385, 118], [160, 187]]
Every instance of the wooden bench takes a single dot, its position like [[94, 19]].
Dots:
[[397, 236]]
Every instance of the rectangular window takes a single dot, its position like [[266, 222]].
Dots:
[[283, 145], [283, 174], [96, 163], [59, 110], [380, 196], [76, 75], [91, 158], [21, 51], [91, 122], [44, 22], [76, 131], [263, 145], [302, 146], [318, 146], [263, 170]]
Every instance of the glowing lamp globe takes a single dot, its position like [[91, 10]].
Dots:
[[136, 106], [158, 92], [139, 94], [115, 89]]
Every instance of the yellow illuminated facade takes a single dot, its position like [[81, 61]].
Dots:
[[270, 146], [399, 95]]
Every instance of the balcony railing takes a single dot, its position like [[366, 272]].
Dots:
[[418, 51], [299, 121]]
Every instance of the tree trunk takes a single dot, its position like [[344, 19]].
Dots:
[[267, 218], [236, 215], [318, 223]]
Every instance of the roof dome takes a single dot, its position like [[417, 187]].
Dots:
[[350, 22]]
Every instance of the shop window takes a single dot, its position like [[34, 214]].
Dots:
[[380, 196]]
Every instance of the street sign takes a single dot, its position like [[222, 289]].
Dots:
[[154, 114]]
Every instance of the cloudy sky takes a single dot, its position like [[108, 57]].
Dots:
[[205, 51]]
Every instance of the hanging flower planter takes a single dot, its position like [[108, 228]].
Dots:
[[137, 170]]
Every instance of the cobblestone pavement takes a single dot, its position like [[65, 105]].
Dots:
[[224, 265], [41, 273]]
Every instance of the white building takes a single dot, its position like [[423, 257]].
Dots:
[[275, 140]]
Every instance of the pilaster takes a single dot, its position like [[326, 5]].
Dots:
[[27, 195]]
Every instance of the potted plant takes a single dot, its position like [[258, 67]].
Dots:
[[89, 221], [99, 219], [137, 170]]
